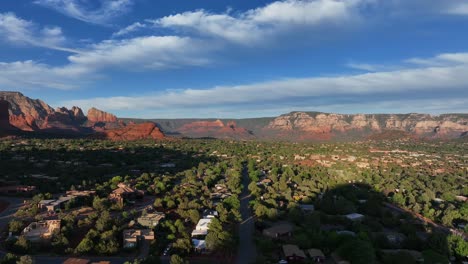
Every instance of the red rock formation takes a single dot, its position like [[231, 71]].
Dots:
[[323, 125], [96, 115], [216, 129], [25, 113], [132, 132]]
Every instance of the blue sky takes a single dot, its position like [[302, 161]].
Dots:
[[243, 58]]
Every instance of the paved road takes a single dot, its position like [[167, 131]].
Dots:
[[247, 252], [6, 216]]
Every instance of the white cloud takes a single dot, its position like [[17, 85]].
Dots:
[[19, 31], [129, 29], [446, 59], [256, 24], [34, 75], [81, 10], [137, 54], [144, 53], [421, 80], [458, 9]]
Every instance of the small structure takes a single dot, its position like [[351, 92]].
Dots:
[[210, 213], [346, 233], [461, 198], [202, 227], [293, 253], [42, 230], [151, 220], [53, 205], [132, 236], [15, 189], [316, 255], [394, 238], [307, 207], [355, 217], [278, 230]]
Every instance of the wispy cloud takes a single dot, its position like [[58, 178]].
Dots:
[[35, 75], [142, 53], [129, 29], [19, 31], [460, 8], [81, 10], [377, 86]]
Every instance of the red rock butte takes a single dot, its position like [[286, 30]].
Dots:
[[96, 115]]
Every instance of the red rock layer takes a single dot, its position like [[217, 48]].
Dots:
[[96, 115], [132, 132]]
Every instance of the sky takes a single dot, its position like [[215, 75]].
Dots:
[[238, 59]]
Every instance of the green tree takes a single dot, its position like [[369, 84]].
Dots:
[[86, 246], [15, 226], [176, 259], [25, 260]]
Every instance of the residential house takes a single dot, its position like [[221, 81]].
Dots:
[[279, 230], [202, 227], [461, 198], [293, 253], [131, 237], [151, 220], [316, 255], [54, 205], [125, 192], [43, 230]]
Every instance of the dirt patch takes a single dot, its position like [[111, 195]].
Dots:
[[3, 205]]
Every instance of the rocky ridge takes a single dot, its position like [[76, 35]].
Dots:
[[34, 115], [97, 116], [448, 125]]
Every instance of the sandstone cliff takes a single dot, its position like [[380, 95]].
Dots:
[[25, 113], [450, 125], [98, 116], [146, 130], [216, 129]]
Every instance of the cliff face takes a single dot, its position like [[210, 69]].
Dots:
[[146, 130], [25, 113], [335, 124], [28, 114], [216, 129], [98, 116], [33, 114]]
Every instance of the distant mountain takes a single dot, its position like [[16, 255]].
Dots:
[[317, 126], [28, 114]]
